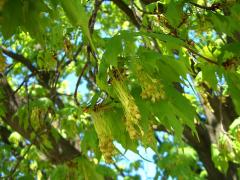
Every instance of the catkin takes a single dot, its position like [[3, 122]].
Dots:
[[105, 137], [132, 114], [151, 88]]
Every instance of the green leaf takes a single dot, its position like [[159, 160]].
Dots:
[[15, 138], [234, 88], [106, 171], [22, 114], [113, 49], [42, 102], [88, 169], [233, 128], [232, 47], [171, 41], [12, 17], [174, 13], [46, 143], [220, 162], [75, 11], [209, 75], [182, 107], [59, 173], [26, 177], [224, 24]]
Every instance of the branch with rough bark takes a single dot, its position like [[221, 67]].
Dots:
[[124, 7], [19, 58], [61, 151]]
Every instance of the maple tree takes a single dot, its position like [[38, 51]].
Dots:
[[162, 75]]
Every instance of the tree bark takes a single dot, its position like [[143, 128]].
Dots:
[[203, 148]]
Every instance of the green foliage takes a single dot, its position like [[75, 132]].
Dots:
[[72, 9]]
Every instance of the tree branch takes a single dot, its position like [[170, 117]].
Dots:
[[61, 150], [146, 2], [124, 7], [78, 83], [201, 56], [203, 148], [213, 7], [93, 17], [12, 172], [19, 58]]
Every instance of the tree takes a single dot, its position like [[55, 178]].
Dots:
[[162, 75]]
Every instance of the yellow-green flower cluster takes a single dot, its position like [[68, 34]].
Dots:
[[106, 147], [150, 135], [132, 114], [37, 116], [151, 88], [103, 130]]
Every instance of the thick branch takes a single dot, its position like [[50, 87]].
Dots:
[[124, 7], [213, 7], [203, 148], [149, 1], [42, 76], [78, 83], [19, 58], [62, 150]]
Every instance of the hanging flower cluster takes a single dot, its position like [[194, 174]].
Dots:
[[150, 136], [132, 114], [104, 135], [151, 88], [106, 147], [36, 117]]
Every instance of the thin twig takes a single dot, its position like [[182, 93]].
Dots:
[[78, 83], [203, 57], [9, 68], [74, 56], [213, 7], [24, 81], [124, 7], [119, 169], [134, 12], [91, 23], [157, 138], [64, 94], [19, 58], [93, 17], [146, 12], [18, 163]]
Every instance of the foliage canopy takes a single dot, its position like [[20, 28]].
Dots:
[[84, 82]]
